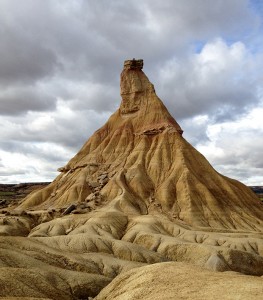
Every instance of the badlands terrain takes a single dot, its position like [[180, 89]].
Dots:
[[137, 213]]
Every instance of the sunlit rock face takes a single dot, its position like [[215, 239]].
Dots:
[[136, 193]]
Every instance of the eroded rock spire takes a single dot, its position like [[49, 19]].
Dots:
[[134, 84]]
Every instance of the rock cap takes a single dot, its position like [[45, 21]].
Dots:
[[133, 64]]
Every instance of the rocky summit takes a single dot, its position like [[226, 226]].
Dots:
[[136, 194]]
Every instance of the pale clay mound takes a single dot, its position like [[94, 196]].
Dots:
[[139, 194], [169, 281]]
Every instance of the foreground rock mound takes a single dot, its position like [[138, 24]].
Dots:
[[181, 281], [137, 193]]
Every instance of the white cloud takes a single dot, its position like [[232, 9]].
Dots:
[[217, 59], [34, 146], [217, 81], [235, 148]]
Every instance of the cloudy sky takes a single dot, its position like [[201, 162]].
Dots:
[[60, 62]]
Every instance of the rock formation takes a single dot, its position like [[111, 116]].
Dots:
[[136, 193], [140, 162]]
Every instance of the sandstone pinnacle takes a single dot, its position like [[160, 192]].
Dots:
[[150, 167]]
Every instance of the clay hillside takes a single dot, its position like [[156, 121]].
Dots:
[[140, 207]]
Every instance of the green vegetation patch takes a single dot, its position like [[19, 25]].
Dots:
[[7, 193]]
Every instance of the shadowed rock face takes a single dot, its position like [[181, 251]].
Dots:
[[136, 193]]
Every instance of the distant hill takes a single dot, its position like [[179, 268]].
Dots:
[[258, 190], [10, 193]]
